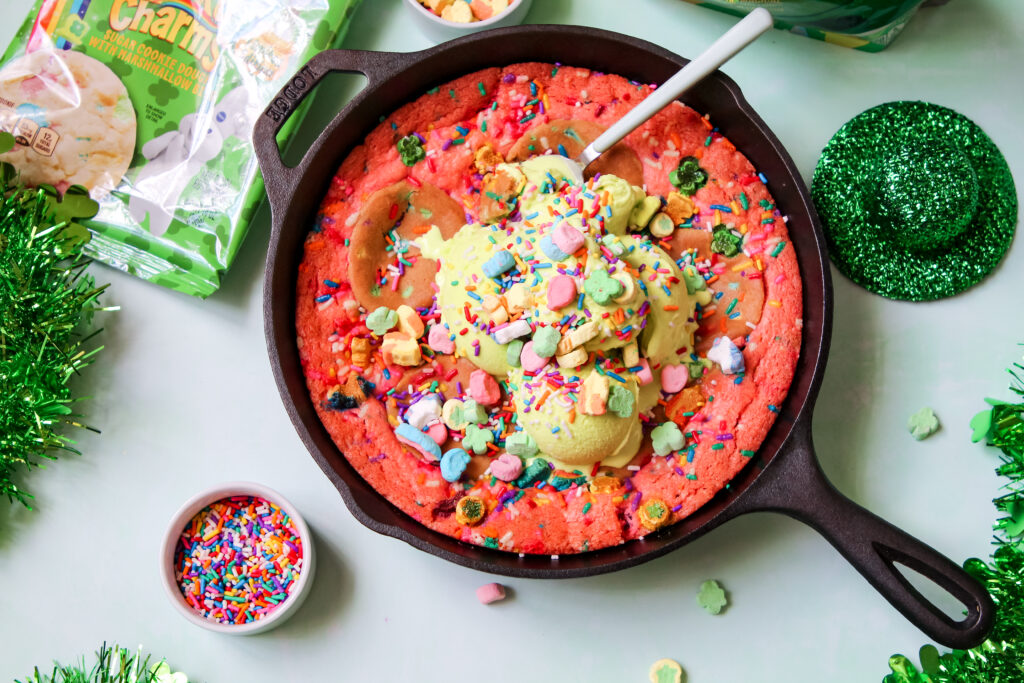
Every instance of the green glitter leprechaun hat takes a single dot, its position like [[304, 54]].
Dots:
[[917, 202]]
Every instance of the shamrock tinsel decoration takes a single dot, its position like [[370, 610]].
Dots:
[[113, 665], [45, 299], [1000, 659]]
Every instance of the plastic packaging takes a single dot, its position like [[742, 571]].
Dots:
[[150, 105]]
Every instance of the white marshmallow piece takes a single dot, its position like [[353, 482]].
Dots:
[[727, 355], [424, 411], [515, 330]]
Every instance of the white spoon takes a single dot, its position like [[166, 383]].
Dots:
[[721, 51]]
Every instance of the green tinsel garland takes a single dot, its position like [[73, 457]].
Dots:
[[113, 665], [1000, 659], [45, 299]]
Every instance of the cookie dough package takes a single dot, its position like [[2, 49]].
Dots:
[[868, 25], [149, 104]]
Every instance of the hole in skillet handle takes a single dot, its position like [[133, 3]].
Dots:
[[276, 123], [326, 99], [930, 591]]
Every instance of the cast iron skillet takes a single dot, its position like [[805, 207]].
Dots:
[[784, 476]]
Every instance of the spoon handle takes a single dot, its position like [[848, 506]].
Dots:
[[734, 40]]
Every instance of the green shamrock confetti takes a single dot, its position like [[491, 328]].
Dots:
[[666, 438], [711, 597], [689, 176], [725, 242], [923, 423], [477, 439], [981, 425], [621, 400], [411, 150], [381, 320], [6, 142], [602, 287], [521, 444]]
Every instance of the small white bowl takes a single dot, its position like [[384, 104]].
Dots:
[[188, 511], [440, 30]]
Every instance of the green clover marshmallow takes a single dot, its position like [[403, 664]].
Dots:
[[666, 438], [382, 320], [477, 439], [602, 287]]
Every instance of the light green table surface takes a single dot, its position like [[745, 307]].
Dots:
[[184, 396]]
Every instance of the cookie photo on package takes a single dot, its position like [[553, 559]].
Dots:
[[149, 105]]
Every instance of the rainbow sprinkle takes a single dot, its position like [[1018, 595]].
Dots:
[[238, 559]]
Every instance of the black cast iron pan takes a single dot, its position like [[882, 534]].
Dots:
[[784, 476]]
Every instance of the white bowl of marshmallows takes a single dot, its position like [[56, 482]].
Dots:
[[443, 20]]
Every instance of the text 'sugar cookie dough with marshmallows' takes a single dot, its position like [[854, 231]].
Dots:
[[149, 105]]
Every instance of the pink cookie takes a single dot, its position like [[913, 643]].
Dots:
[[438, 432], [674, 378], [567, 238], [531, 361], [439, 339], [561, 292], [644, 375], [492, 592], [483, 388], [506, 467]]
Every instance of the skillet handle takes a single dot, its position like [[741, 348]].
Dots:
[[281, 181], [797, 487]]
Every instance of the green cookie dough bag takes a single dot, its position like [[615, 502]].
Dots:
[[149, 104], [868, 25]]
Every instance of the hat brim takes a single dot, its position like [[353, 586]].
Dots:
[[864, 250]]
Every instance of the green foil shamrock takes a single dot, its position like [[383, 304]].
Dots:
[[689, 176], [411, 150], [725, 242]]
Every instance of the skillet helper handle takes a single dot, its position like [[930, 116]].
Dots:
[[281, 181], [799, 489]]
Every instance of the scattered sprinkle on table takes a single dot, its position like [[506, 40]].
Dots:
[[238, 559]]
